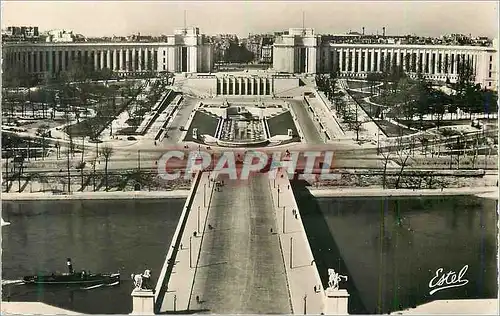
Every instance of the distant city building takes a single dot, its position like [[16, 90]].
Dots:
[[59, 36], [20, 33]]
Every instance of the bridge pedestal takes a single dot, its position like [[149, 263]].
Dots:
[[336, 302], [143, 302]]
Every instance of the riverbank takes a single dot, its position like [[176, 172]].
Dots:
[[483, 192], [486, 192], [116, 195]]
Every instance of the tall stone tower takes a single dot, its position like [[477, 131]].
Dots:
[[297, 51]]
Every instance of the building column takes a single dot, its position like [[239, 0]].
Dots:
[[127, 60], [122, 59], [264, 80], [38, 62], [372, 61], [108, 59], [353, 60], [64, 65], [101, 59], [435, 62], [366, 60], [252, 87], [360, 55], [32, 62], [221, 85], [134, 59], [240, 82], [139, 59], [227, 85], [56, 66], [341, 59], [50, 65], [115, 60], [95, 59]]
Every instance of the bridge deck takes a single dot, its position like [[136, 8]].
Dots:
[[240, 269]]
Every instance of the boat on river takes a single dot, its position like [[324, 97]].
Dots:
[[73, 278]]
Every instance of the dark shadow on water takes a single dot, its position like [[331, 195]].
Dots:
[[324, 248]]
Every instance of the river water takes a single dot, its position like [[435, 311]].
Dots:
[[389, 248], [100, 236]]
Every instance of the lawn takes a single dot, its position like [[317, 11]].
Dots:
[[279, 125], [205, 123], [357, 84], [359, 95], [371, 109], [393, 130], [98, 123]]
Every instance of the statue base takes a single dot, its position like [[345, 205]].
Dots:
[[336, 301], [143, 302]]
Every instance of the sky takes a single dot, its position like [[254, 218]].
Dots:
[[107, 18]]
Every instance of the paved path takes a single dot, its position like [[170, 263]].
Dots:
[[241, 268], [301, 270], [180, 120], [311, 134]]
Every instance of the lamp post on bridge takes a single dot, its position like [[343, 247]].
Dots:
[[204, 194], [291, 252], [278, 195], [284, 214], [198, 220], [305, 304], [190, 256]]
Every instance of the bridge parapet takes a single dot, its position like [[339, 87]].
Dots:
[[304, 283], [173, 289]]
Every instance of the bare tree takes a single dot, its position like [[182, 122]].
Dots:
[[80, 167], [68, 168], [386, 156], [402, 160], [107, 152], [42, 131]]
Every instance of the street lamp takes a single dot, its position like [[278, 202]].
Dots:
[[139, 159], [198, 219], [204, 194], [278, 195], [190, 256], [305, 304], [284, 219], [291, 252]]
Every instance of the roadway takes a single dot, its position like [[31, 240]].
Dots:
[[241, 268], [311, 134]]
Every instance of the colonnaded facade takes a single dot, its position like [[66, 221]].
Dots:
[[185, 51], [303, 51], [299, 51]]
